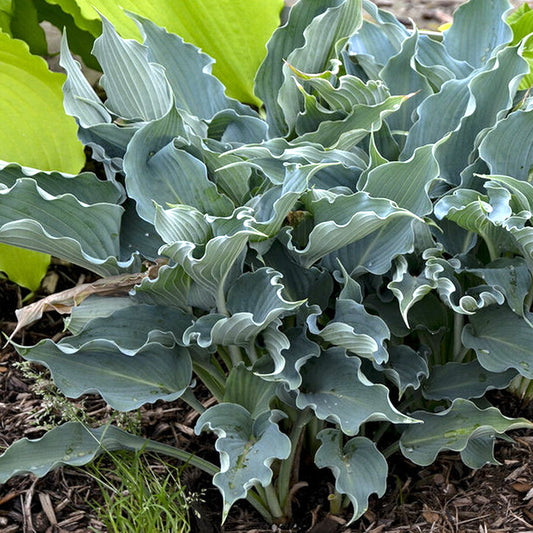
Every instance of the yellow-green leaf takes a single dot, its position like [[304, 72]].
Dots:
[[24, 267], [35, 132]]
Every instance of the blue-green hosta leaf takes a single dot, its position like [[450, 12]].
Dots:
[[406, 182], [491, 95], [406, 368], [501, 340], [219, 263], [73, 444], [79, 98], [344, 134], [254, 300], [246, 389], [342, 220], [511, 276], [247, 448], [377, 40], [431, 125], [477, 103], [508, 147], [463, 41], [125, 382], [229, 127], [434, 61], [479, 452], [356, 330], [475, 212], [182, 223], [137, 234], [442, 275], [86, 187], [408, 289], [136, 89], [289, 351], [349, 92], [157, 171], [401, 77], [131, 328], [313, 284], [336, 389], [86, 235], [452, 429], [463, 380], [285, 39], [271, 208], [455, 239], [170, 288], [324, 38], [375, 252], [522, 191], [94, 307], [188, 71], [359, 468]]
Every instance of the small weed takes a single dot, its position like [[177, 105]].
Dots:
[[139, 497]]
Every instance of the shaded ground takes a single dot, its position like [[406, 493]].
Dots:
[[443, 498]]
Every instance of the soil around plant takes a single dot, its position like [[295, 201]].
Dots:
[[445, 497]]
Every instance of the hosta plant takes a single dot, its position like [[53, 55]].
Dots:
[[347, 273]]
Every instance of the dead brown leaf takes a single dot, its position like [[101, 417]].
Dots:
[[64, 301]]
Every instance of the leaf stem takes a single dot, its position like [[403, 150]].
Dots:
[[258, 504], [458, 322], [235, 354], [190, 399], [529, 299], [392, 449], [273, 502], [287, 466], [182, 455]]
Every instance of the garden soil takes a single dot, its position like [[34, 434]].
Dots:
[[445, 497]]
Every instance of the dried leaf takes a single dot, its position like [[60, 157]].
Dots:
[[64, 301]]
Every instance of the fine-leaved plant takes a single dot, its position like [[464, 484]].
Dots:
[[347, 273]]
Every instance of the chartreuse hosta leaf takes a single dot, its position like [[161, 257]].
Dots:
[[336, 389], [32, 96], [359, 468], [521, 22], [215, 27], [452, 429], [75, 444], [247, 448], [501, 340]]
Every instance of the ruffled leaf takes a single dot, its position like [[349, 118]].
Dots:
[[359, 468]]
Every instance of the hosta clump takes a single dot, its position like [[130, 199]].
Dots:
[[347, 277]]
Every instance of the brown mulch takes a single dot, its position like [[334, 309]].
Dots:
[[445, 497]]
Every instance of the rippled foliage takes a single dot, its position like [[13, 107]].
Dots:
[[347, 271]]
